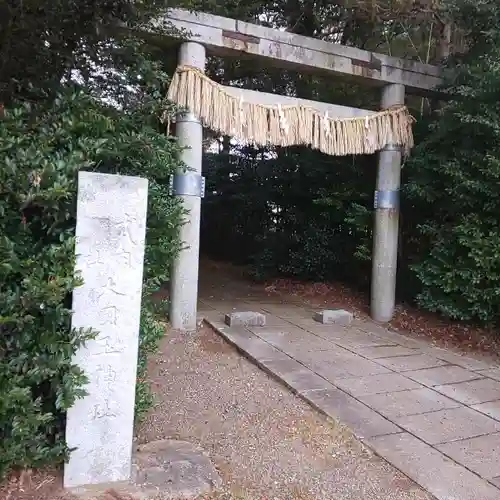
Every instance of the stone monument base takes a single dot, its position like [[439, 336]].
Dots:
[[162, 470]]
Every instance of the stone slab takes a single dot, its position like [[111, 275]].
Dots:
[[333, 316], [376, 384], [331, 371], [398, 404], [110, 236], [233, 334], [472, 392], [410, 363], [361, 368], [496, 481], [345, 361], [331, 330], [334, 332], [174, 469], [493, 373], [259, 350], [457, 359], [245, 318], [301, 343], [362, 420], [480, 454], [441, 375], [448, 425], [274, 321], [278, 333], [214, 316], [378, 352], [354, 342], [304, 380], [389, 336], [247, 342], [304, 351], [441, 476], [281, 367], [492, 409]]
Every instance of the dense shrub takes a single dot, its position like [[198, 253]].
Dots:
[[295, 213], [456, 171], [43, 147], [454, 180]]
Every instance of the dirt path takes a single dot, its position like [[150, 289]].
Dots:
[[267, 443]]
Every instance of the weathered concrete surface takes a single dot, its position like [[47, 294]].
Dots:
[[448, 425], [223, 37], [245, 318], [441, 476], [339, 316], [110, 235], [412, 402], [473, 391], [481, 454], [416, 410], [440, 375]]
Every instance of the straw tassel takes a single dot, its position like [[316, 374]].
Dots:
[[287, 125]]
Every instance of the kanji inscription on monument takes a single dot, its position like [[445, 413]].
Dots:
[[110, 238]]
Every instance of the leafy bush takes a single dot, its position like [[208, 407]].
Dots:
[[300, 214], [43, 147], [457, 172], [454, 181]]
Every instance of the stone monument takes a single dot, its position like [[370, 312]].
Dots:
[[110, 240]]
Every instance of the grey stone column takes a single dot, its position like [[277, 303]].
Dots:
[[184, 279], [386, 223]]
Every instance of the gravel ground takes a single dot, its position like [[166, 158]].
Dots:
[[266, 442]]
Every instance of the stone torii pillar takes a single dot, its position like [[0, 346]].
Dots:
[[189, 186], [386, 223]]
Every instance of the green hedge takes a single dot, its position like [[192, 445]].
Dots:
[[43, 148]]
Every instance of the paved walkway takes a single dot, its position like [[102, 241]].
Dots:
[[432, 413]]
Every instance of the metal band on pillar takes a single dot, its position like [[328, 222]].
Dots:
[[187, 185], [187, 120], [386, 199], [392, 147]]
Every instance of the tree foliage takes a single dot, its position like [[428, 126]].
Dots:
[[455, 171], [76, 96]]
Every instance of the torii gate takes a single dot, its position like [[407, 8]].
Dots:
[[227, 37]]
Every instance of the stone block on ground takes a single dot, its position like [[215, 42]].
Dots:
[[245, 318], [162, 470], [338, 316], [175, 469]]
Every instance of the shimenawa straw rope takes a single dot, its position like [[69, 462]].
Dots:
[[287, 125]]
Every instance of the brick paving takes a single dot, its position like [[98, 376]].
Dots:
[[432, 413]]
